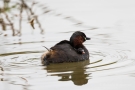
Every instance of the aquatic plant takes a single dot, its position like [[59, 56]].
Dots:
[[7, 15]]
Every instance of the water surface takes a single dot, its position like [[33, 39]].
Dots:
[[112, 61]]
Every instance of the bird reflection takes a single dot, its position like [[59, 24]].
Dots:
[[75, 72]]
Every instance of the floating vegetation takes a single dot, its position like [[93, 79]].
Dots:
[[7, 15], [32, 23], [12, 10]]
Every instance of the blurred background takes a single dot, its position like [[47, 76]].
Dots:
[[28, 25]]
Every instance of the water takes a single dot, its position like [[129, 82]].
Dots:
[[112, 61]]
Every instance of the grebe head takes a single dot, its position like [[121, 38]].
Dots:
[[78, 38]]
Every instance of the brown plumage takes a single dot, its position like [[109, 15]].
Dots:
[[67, 51]]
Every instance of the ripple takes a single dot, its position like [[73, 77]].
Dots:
[[22, 66], [21, 52]]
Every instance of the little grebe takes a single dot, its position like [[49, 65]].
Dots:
[[67, 51]]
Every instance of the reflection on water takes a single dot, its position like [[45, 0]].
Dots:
[[75, 72], [112, 60], [21, 68]]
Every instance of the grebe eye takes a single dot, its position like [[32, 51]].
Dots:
[[84, 38]]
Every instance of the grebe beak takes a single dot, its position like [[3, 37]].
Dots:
[[87, 38]]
